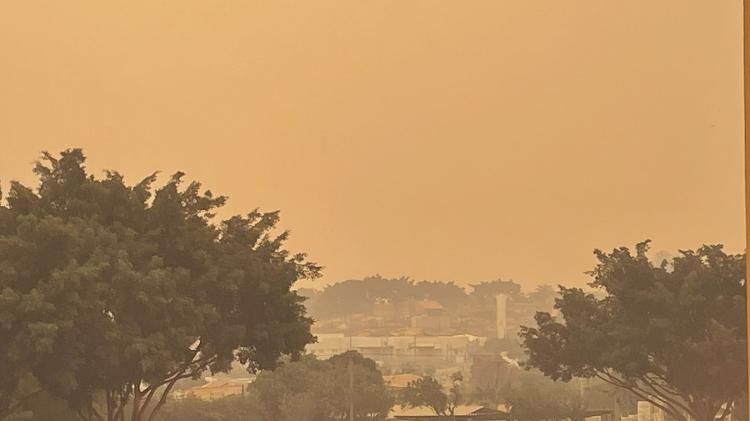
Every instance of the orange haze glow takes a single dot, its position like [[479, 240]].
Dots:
[[442, 140]]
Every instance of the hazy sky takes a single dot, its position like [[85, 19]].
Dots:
[[451, 140]]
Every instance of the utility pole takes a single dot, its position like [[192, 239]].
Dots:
[[351, 386]]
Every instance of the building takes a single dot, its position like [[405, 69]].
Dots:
[[599, 415], [409, 308], [385, 309], [399, 381], [435, 350], [218, 389], [461, 413]]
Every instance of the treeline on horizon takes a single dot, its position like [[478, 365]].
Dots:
[[358, 295], [111, 294]]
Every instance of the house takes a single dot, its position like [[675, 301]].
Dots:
[[448, 348], [385, 309], [599, 415], [218, 389], [461, 413], [399, 381]]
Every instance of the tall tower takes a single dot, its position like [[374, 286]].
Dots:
[[501, 301]]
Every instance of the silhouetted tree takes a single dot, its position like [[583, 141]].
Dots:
[[111, 293], [672, 336], [484, 292], [429, 392], [358, 295], [318, 390], [236, 408]]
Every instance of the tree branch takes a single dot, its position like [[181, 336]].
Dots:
[[727, 410], [176, 376], [633, 388], [662, 395], [95, 413], [136, 400], [124, 397], [163, 398], [147, 402]]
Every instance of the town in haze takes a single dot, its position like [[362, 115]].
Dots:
[[390, 210], [138, 301]]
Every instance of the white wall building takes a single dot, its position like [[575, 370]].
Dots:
[[449, 348]]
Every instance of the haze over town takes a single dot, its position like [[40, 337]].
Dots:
[[391, 210], [443, 142]]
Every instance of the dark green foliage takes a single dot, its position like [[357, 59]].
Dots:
[[491, 376], [426, 392], [317, 390], [429, 392], [542, 294], [674, 336], [487, 290], [306, 390], [358, 296], [532, 397], [232, 408], [112, 292], [44, 407]]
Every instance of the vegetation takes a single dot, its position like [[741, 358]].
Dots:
[[111, 293], [671, 334], [358, 295], [305, 390], [536, 398], [497, 378], [231, 408], [429, 392], [315, 390]]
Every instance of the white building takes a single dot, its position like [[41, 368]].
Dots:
[[454, 349]]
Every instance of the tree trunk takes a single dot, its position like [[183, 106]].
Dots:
[[704, 411]]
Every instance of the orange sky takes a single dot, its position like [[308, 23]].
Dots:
[[452, 140]]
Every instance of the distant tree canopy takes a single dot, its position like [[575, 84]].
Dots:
[[430, 393], [318, 390], [532, 397], [112, 292], [231, 408], [487, 290], [358, 295], [673, 335]]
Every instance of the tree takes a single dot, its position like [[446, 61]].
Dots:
[[543, 295], [357, 296], [124, 289], [496, 378], [534, 397], [318, 390], [426, 392], [45, 267], [234, 408], [369, 394], [429, 392], [486, 291], [450, 295], [490, 376], [673, 336]]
